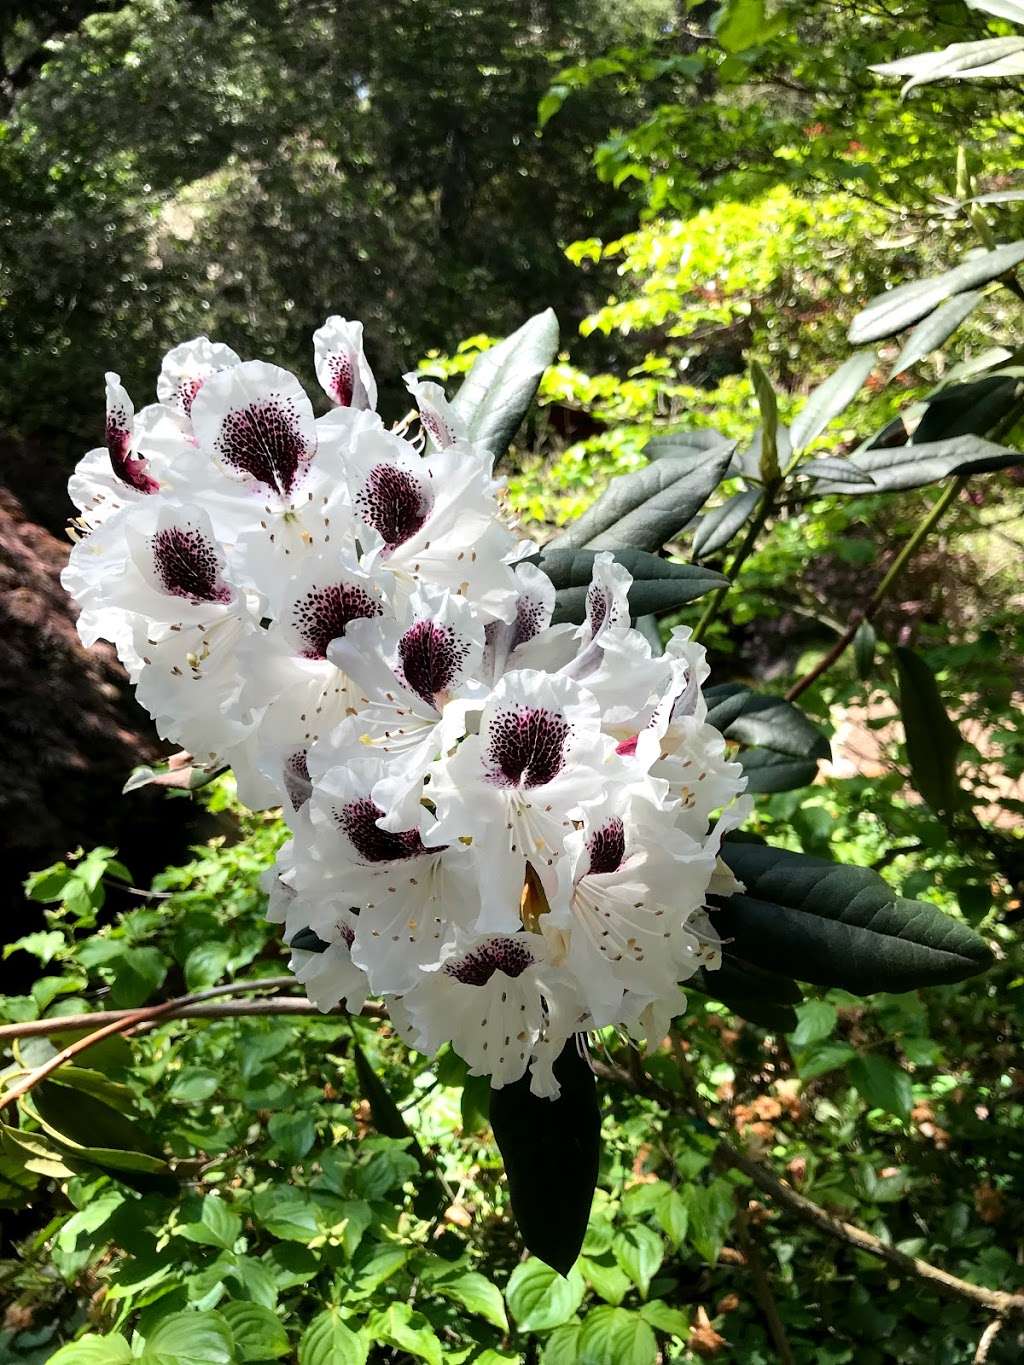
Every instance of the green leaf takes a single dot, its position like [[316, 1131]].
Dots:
[[719, 526], [257, 1332], [933, 741], [769, 406], [192, 1338], [192, 1085], [399, 1325], [551, 1150], [614, 1336], [864, 644], [562, 1346], [742, 24], [840, 926], [645, 509], [895, 468], [78, 1119], [218, 1226], [831, 399], [882, 1084], [666, 1319], [817, 1020], [673, 1217], [605, 1278], [822, 1058], [640, 1252], [137, 974], [891, 312], [476, 1293], [974, 408], [94, 1350], [658, 585], [539, 1298], [932, 331], [328, 1341], [785, 746], [206, 964], [293, 1134], [712, 1209], [497, 392], [49, 884]]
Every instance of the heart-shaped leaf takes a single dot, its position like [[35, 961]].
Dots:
[[645, 509], [658, 585], [784, 746], [497, 392], [840, 926], [551, 1150]]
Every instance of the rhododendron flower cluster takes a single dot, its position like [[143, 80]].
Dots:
[[505, 827]]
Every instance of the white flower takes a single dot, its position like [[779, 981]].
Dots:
[[341, 365], [508, 829], [516, 786]]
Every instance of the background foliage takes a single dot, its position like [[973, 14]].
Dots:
[[689, 185]]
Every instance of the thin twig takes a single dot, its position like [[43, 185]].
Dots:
[[762, 1288], [927, 524], [995, 1301], [124, 1020], [987, 1338]]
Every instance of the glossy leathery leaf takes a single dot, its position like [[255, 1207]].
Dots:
[[496, 394], [972, 409], [838, 470], [899, 308], [784, 747], [723, 522], [551, 1150], [864, 645], [645, 509], [932, 331], [933, 741], [682, 445], [764, 998], [842, 926], [831, 399], [894, 468], [658, 585]]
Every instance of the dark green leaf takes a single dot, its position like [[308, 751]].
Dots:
[[837, 470], [712, 1209], [882, 1084], [913, 466], [198, 1338], [932, 331], [891, 312], [719, 526], [388, 1120], [933, 741], [497, 392], [764, 998], [831, 399], [840, 926], [645, 509], [784, 746], [658, 585], [971, 409], [864, 644], [551, 1150]]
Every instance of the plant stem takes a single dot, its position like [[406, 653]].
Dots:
[[920, 532], [764, 510]]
